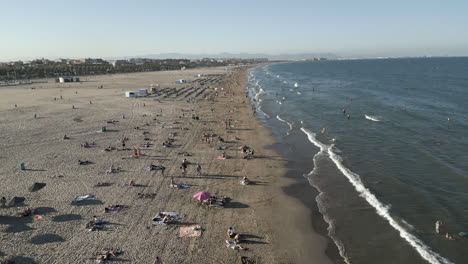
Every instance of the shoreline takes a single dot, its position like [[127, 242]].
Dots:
[[308, 241]]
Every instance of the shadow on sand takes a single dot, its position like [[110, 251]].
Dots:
[[235, 205], [19, 259], [45, 239], [15, 224], [66, 218], [87, 202]]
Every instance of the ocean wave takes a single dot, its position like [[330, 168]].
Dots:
[[383, 210], [289, 124], [372, 118]]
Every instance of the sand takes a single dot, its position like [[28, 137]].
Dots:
[[261, 212]]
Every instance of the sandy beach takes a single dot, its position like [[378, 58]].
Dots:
[[272, 225]]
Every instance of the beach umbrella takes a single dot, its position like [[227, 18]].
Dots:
[[202, 196]]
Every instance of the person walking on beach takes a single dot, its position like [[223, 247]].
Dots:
[[157, 261], [199, 169], [437, 226], [183, 167]]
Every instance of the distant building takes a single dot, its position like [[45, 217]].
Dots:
[[65, 79], [120, 62]]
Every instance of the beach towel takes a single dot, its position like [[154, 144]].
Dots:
[[127, 185], [221, 158], [182, 185], [190, 231], [158, 218], [83, 198]]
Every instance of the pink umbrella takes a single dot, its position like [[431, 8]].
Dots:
[[202, 196]]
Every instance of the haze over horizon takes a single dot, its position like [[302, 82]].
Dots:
[[54, 29]]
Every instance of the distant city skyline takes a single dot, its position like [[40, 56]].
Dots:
[[104, 29]]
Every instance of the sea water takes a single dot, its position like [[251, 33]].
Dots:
[[388, 141]]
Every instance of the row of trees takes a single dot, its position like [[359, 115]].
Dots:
[[8, 73]]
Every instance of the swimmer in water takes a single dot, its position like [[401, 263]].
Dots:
[[437, 226], [348, 116], [344, 111]]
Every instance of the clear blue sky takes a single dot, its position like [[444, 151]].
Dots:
[[110, 28]]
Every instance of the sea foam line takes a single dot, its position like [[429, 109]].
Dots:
[[372, 118], [289, 124], [260, 92], [383, 210], [259, 108]]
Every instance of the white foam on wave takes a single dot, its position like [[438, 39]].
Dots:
[[259, 108], [260, 92], [298, 92], [372, 118], [289, 124], [383, 210]]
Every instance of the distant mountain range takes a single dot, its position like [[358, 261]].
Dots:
[[295, 56]]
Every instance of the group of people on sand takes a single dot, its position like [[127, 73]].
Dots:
[[231, 233], [248, 153]]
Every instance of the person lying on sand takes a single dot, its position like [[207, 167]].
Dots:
[[106, 255], [102, 184], [146, 195], [113, 208], [88, 145], [234, 245], [112, 170], [167, 219], [84, 162]]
